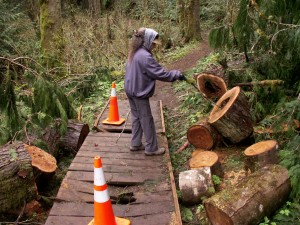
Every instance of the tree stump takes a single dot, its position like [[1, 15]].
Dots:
[[16, 177], [256, 196], [231, 116], [71, 141], [209, 159], [195, 184], [211, 86], [203, 135], [261, 154]]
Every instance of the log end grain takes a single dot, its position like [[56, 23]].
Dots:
[[261, 147], [211, 86], [41, 160]]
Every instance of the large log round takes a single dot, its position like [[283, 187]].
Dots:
[[256, 196], [211, 86], [260, 154], [231, 116], [203, 135], [16, 177], [201, 158]]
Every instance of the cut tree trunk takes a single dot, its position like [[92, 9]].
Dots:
[[256, 196], [44, 165], [201, 158], [211, 86], [231, 116], [195, 184], [260, 154], [70, 142], [16, 177], [203, 135]]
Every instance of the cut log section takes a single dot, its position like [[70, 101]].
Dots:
[[231, 116], [195, 184], [203, 135], [211, 86], [71, 141], [16, 177], [261, 154], [256, 196], [201, 158], [41, 160]]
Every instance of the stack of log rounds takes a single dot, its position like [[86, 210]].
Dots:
[[42, 160], [203, 135], [256, 196], [201, 158], [231, 116], [261, 154], [211, 86], [16, 177]]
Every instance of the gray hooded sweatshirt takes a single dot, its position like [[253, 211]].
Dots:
[[144, 70]]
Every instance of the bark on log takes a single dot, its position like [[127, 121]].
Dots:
[[256, 196], [211, 86], [201, 158], [71, 141], [262, 83], [231, 116], [195, 184], [203, 135], [260, 154], [16, 177]]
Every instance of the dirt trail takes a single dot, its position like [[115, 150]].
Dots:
[[164, 90]]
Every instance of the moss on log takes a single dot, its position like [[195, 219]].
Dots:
[[256, 196], [16, 177]]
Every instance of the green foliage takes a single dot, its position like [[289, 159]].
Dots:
[[216, 180], [186, 214], [289, 214]]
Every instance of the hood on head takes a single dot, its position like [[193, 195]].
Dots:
[[149, 37]]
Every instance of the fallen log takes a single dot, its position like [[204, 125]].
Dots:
[[203, 135], [231, 116], [211, 86], [16, 177], [44, 165], [195, 184], [201, 158], [260, 154], [71, 141], [256, 196], [261, 83]]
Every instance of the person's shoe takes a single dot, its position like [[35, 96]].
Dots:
[[160, 151], [137, 148]]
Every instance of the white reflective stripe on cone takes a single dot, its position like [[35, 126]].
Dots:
[[99, 179], [113, 92], [101, 196]]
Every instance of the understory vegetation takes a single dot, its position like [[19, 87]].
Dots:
[[252, 41]]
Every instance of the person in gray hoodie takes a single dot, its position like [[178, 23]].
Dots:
[[142, 70]]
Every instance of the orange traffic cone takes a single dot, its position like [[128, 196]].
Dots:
[[103, 211], [113, 117]]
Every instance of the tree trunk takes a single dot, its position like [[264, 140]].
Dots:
[[213, 87], [189, 19], [209, 159], [95, 7], [231, 116], [260, 154], [50, 26], [203, 135], [16, 177], [255, 197], [71, 141], [195, 184]]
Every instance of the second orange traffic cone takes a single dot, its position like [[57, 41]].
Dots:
[[113, 116], [103, 211]]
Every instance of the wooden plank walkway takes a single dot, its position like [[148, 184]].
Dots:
[[142, 188]]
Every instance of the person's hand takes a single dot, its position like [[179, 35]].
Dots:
[[181, 77]]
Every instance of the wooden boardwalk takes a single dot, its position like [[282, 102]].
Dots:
[[142, 188]]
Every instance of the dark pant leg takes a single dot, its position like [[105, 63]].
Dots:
[[147, 123], [137, 132]]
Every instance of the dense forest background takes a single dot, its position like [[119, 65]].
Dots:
[[58, 55]]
